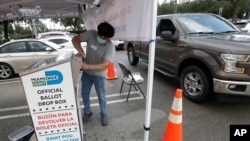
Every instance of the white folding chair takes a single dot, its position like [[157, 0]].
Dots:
[[131, 79]]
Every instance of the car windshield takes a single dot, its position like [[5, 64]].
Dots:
[[205, 24]]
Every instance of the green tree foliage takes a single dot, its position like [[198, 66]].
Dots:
[[19, 31], [231, 8], [165, 9], [74, 24]]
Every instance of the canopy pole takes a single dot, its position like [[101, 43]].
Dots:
[[150, 70], [34, 27], [82, 9]]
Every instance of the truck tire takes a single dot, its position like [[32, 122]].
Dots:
[[195, 84], [133, 60]]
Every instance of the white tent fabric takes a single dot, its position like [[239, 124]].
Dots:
[[133, 20], [34, 9]]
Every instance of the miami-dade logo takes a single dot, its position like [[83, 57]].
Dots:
[[52, 77]]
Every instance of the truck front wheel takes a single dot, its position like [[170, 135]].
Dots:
[[133, 60], [195, 84]]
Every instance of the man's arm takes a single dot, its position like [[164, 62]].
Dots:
[[101, 66], [76, 41]]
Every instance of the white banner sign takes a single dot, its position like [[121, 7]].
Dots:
[[52, 103], [131, 18]]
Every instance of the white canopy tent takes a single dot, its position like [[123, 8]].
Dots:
[[132, 19], [34, 9]]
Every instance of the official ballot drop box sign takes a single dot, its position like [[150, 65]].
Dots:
[[50, 94]]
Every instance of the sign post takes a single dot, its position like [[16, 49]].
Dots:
[[51, 96]]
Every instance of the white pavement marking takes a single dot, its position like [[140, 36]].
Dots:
[[11, 81], [13, 108], [92, 105], [14, 116]]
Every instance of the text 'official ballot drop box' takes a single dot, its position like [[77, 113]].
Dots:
[[51, 91]]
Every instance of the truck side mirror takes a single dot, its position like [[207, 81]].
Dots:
[[168, 36]]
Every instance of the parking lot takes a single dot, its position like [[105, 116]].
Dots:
[[207, 121]]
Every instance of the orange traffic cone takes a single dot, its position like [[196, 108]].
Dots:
[[111, 72], [173, 131]]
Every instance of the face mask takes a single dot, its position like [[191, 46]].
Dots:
[[100, 41]]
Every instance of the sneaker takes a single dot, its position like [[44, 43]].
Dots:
[[105, 120], [86, 117]]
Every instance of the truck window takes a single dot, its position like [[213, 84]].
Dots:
[[165, 25]]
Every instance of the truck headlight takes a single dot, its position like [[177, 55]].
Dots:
[[230, 62]]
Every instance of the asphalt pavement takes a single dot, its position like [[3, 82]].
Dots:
[[208, 121]]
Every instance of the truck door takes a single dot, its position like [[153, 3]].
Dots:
[[165, 51], [144, 50]]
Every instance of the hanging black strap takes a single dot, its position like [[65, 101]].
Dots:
[[146, 128]]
